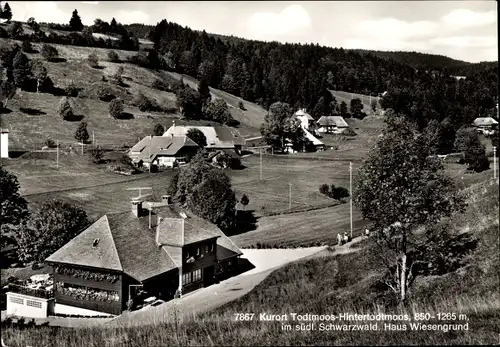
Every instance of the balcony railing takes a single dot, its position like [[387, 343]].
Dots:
[[39, 293]]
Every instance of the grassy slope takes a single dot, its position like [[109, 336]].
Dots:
[[250, 119], [332, 285], [365, 99]]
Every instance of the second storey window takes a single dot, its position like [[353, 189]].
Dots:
[[186, 278]]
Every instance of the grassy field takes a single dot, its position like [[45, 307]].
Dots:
[[348, 283]]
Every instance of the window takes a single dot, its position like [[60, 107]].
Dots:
[[211, 247], [198, 251], [187, 255], [16, 300], [207, 247], [32, 303], [186, 278], [196, 275]]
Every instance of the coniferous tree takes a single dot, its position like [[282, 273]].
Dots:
[[81, 134], [7, 12], [75, 23]]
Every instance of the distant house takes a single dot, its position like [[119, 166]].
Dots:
[[4, 143], [485, 125], [218, 136], [156, 247], [331, 124], [305, 118], [163, 151]]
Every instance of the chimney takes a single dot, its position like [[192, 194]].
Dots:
[[166, 199], [157, 236], [136, 207]]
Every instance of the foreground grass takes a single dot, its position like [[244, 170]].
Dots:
[[331, 285]]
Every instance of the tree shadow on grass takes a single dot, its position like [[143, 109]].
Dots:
[[58, 60], [245, 222], [76, 118], [5, 110], [32, 111], [100, 67], [125, 116]]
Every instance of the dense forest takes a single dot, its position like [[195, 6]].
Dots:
[[418, 60], [266, 72]]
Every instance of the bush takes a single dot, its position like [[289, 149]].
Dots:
[[160, 85], [93, 60], [49, 52], [116, 108], [113, 57], [72, 90], [229, 159], [324, 189], [241, 105], [144, 104], [158, 130], [50, 143], [480, 164], [27, 47], [65, 109], [97, 155]]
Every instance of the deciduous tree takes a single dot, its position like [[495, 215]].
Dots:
[[81, 134], [65, 109], [197, 136], [13, 207], [50, 226], [39, 72], [400, 188], [21, 69], [116, 108], [49, 52], [93, 60], [158, 130]]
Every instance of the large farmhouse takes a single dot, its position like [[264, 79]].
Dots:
[[218, 136], [332, 124], [156, 247], [163, 151]]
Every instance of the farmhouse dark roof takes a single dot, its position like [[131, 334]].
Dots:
[[128, 244], [151, 147], [333, 120], [217, 136], [80, 250]]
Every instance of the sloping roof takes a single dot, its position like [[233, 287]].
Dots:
[[80, 250], [183, 231], [333, 120], [312, 138], [135, 242], [484, 121], [302, 112], [128, 244], [217, 136], [160, 146]]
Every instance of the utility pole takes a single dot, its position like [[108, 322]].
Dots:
[[150, 161], [350, 192], [93, 139], [494, 162], [261, 163], [290, 196], [82, 147], [57, 156]]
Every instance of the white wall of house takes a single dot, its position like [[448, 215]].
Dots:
[[166, 161], [66, 309], [29, 306], [4, 144]]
